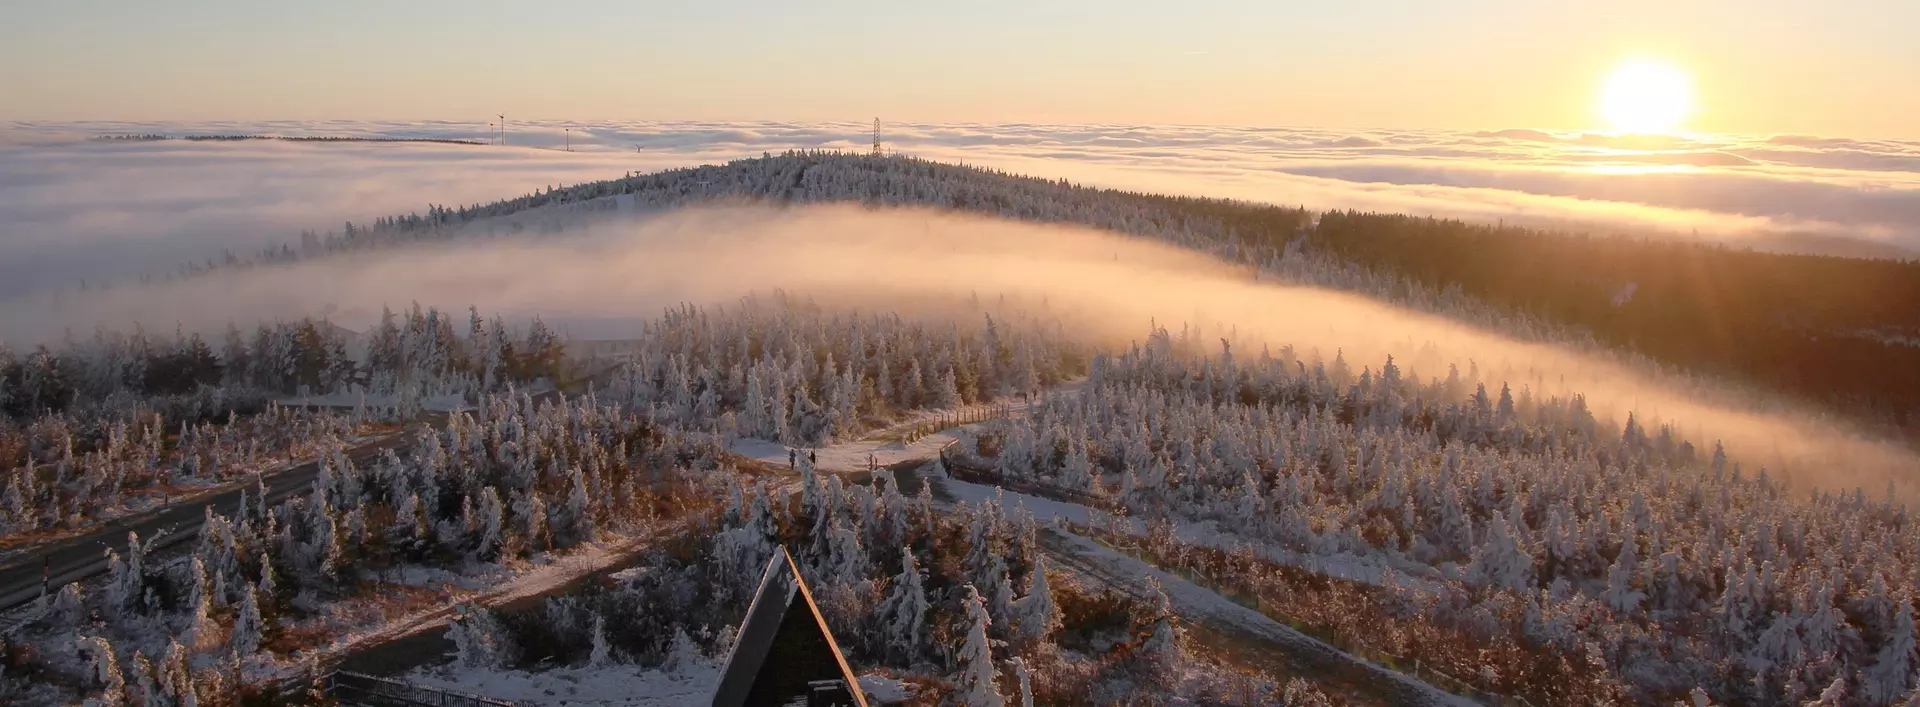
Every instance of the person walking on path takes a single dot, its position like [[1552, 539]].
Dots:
[[790, 458]]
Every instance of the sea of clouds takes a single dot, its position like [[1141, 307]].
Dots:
[[73, 209]]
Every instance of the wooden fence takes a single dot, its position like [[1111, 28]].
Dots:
[[954, 418]]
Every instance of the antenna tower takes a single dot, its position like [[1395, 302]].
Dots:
[[876, 137]]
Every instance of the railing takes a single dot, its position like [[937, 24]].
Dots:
[[954, 418], [358, 689]]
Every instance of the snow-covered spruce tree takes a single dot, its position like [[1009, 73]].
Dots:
[[247, 624], [601, 654], [903, 615], [69, 609], [976, 686], [106, 671], [1036, 616], [1500, 561], [1026, 681], [126, 580], [478, 640], [682, 654], [201, 630], [1162, 654], [1895, 667]]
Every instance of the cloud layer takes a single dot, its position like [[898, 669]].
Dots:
[[615, 270], [72, 209]]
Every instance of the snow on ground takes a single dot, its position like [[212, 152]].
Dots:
[[849, 456], [624, 685], [853, 455], [1044, 510], [1104, 566], [1347, 566], [885, 690]]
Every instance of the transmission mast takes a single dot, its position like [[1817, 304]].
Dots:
[[876, 137]]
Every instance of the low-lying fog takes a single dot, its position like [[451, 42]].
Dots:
[[605, 277]]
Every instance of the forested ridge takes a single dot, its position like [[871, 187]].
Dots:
[[1840, 332]]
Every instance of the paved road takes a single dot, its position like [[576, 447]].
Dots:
[[83, 557]]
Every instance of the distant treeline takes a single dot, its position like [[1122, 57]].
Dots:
[[1841, 330], [197, 138]]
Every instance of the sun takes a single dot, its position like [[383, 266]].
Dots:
[[1647, 96]]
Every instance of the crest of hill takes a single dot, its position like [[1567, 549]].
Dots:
[[1837, 331]]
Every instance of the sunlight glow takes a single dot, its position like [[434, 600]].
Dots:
[[1647, 96]]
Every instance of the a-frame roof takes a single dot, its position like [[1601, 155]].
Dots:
[[784, 651]]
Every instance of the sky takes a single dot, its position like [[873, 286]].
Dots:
[[1836, 67]]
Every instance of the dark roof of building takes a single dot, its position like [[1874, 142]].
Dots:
[[784, 653]]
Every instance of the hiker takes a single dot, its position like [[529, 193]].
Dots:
[[790, 458], [813, 457]]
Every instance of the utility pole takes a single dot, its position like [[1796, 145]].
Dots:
[[569, 139], [492, 132], [503, 129], [876, 137]]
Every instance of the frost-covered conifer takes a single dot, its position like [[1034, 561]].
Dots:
[[69, 611], [1163, 652], [492, 531], [106, 671], [1037, 616], [1026, 682], [1895, 666], [247, 624], [267, 586], [1620, 593], [478, 640], [201, 632], [602, 653], [976, 686], [1500, 561], [682, 654], [903, 613]]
